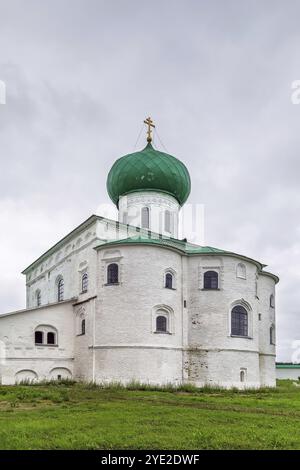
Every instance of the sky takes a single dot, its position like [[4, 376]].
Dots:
[[81, 76]]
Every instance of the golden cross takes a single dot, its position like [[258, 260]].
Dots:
[[150, 124]]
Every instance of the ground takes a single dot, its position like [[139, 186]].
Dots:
[[77, 416]]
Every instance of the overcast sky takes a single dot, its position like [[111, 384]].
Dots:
[[215, 76]]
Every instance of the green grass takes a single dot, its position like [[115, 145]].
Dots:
[[77, 416]]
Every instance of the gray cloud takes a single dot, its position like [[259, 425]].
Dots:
[[216, 76]]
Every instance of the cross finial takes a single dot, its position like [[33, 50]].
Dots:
[[150, 124]]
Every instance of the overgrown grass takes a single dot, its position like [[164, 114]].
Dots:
[[65, 415]]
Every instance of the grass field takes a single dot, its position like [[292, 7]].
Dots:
[[66, 416]]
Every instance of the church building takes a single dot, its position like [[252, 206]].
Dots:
[[127, 300]]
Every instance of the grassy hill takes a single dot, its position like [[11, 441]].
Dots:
[[77, 416]]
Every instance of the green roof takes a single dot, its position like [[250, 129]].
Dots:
[[185, 248], [286, 365], [149, 170]]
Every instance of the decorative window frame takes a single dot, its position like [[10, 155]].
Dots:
[[241, 274], [205, 269], [110, 257], [81, 314], [174, 279], [163, 310], [45, 329], [249, 310]]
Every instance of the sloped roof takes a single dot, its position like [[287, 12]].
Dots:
[[184, 248]]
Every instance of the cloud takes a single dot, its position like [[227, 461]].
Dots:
[[81, 77]]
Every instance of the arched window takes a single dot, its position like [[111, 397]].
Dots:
[[38, 337], [84, 282], [211, 280], [241, 271], [272, 301], [83, 327], [112, 273], [169, 281], [161, 324], [60, 290], [50, 337], [145, 217], [239, 321], [272, 334], [168, 221], [38, 298], [242, 376]]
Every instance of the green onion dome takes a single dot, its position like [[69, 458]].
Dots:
[[149, 170]]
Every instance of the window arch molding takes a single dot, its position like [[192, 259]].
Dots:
[[48, 333], [166, 279], [163, 311], [243, 303], [241, 271]]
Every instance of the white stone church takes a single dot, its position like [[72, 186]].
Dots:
[[126, 300]]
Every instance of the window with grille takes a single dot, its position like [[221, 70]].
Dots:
[[60, 290], [211, 280], [112, 273], [239, 321], [169, 281], [84, 282], [161, 324]]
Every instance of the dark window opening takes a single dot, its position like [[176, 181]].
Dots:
[[112, 273], [50, 338], [38, 337], [239, 321], [83, 327], [84, 283], [161, 323], [169, 281], [211, 280]]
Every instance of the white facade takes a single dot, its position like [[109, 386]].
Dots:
[[154, 211], [109, 331]]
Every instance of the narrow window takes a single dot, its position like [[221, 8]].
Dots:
[[272, 301], [60, 290], [239, 321], [241, 271], [50, 338], [83, 327], [59, 377], [167, 221], [169, 281], [112, 273], [161, 324], [145, 217], [38, 298], [38, 337], [84, 282], [242, 376], [272, 335], [211, 280]]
